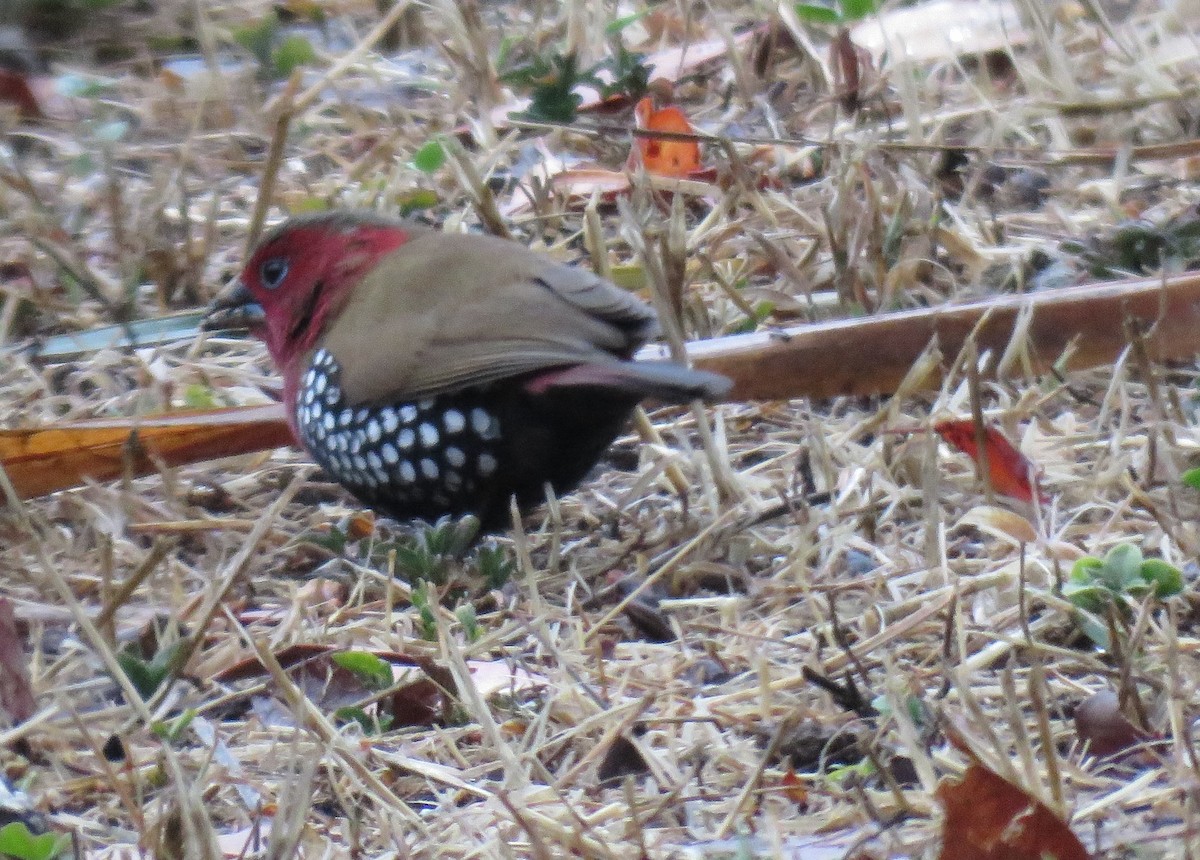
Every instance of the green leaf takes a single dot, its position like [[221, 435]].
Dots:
[[416, 200], [1122, 566], [1166, 578], [144, 677], [1093, 628], [854, 10], [466, 617], [148, 675], [430, 157], [16, 841], [1085, 569], [312, 203], [494, 566], [257, 38], [374, 672], [422, 600], [817, 14], [631, 75], [172, 730], [1191, 478], [1091, 596], [613, 28], [334, 540], [199, 396], [371, 725], [293, 52], [553, 81]]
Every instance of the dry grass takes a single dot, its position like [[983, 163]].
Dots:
[[887, 584]]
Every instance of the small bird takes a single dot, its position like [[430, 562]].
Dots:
[[434, 373]]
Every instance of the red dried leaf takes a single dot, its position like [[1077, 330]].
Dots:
[[16, 691], [15, 89], [989, 818], [676, 158], [1011, 472], [793, 788], [845, 60]]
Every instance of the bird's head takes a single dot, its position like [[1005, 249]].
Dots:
[[301, 274]]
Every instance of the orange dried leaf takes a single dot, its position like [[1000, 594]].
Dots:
[[1010, 471], [989, 818], [677, 158], [793, 788]]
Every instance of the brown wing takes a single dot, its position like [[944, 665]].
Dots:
[[446, 311]]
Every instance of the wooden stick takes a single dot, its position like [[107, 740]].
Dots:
[[843, 357], [872, 355]]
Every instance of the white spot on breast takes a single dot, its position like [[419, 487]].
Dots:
[[483, 424], [429, 469], [453, 421], [345, 418], [425, 404], [374, 431], [374, 461], [328, 421], [408, 413], [319, 383], [390, 454], [361, 416], [407, 473], [487, 464], [428, 434], [360, 462], [406, 438], [455, 457], [333, 395], [390, 419]]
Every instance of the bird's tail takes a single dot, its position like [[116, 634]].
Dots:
[[648, 380]]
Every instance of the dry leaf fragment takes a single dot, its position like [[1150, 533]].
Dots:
[[989, 818], [16, 690], [1001, 523], [1010, 471], [677, 158], [942, 29]]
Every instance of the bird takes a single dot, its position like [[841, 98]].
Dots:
[[439, 374]]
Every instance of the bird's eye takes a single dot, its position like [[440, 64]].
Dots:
[[273, 271]]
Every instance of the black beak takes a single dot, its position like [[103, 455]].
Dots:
[[233, 308]]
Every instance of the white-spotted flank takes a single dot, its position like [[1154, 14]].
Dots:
[[418, 458]]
